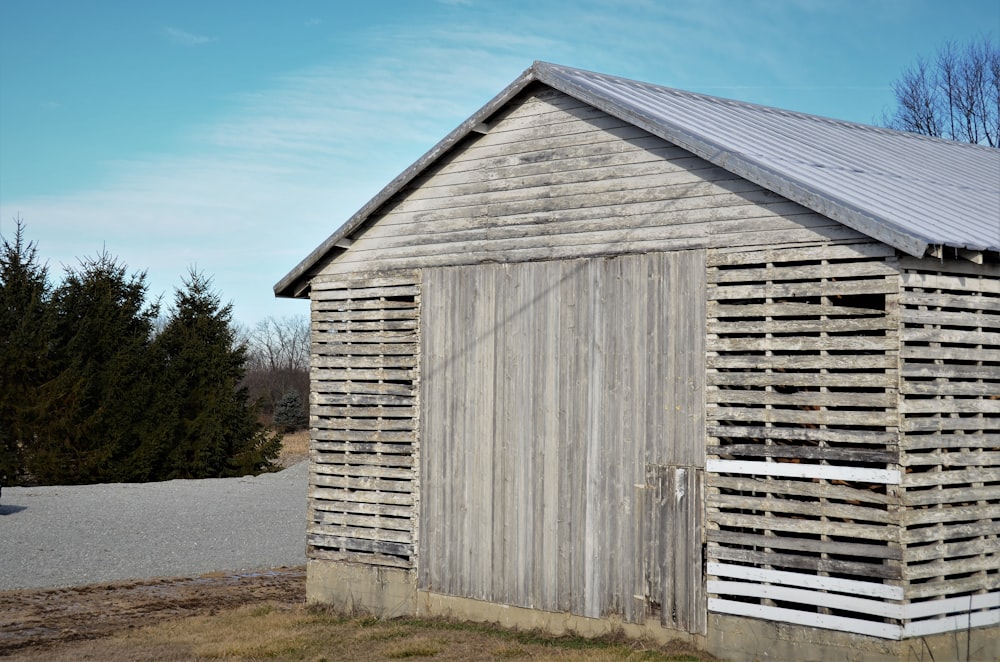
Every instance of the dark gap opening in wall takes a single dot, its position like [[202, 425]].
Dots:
[[861, 616], [874, 302]]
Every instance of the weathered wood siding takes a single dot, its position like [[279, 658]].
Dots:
[[561, 403], [512, 363], [555, 178], [803, 472], [950, 441], [363, 483]]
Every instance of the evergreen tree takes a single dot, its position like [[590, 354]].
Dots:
[[290, 412], [24, 342], [90, 411], [213, 426]]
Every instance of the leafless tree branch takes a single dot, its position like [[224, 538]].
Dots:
[[957, 96]]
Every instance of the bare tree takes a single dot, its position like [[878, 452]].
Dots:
[[280, 344], [955, 96], [277, 359]]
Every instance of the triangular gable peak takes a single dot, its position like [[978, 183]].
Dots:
[[907, 191]]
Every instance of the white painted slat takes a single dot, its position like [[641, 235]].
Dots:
[[951, 623], [802, 596], [855, 625], [849, 586], [916, 610], [819, 471]]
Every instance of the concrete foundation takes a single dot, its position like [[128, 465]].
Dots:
[[753, 640], [350, 587], [391, 593]]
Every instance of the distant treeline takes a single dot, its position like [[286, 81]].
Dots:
[[97, 386]]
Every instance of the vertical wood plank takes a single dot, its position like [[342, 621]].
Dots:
[[689, 320], [482, 401], [593, 471], [573, 353], [547, 439]]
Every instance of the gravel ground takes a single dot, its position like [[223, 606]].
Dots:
[[72, 535]]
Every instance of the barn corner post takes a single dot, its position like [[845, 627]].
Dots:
[[364, 458]]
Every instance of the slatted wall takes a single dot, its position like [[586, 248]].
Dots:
[[803, 477], [950, 423], [363, 486]]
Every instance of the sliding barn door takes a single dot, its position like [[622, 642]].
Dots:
[[562, 418]]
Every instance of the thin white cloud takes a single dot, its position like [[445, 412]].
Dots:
[[183, 38]]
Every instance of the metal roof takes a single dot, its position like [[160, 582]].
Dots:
[[906, 190]]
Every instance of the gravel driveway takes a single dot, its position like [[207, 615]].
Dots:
[[71, 535]]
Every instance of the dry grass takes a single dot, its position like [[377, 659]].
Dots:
[[282, 632], [294, 448]]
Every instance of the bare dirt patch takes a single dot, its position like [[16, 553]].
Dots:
[[40, 619]]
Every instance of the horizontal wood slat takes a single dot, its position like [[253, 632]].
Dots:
[[940, 281], [792, 542], [817, 489]]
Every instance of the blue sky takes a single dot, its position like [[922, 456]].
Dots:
[[235, 136]]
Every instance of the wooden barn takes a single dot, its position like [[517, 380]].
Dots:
[[613, 355]]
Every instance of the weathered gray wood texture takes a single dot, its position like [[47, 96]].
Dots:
[[840, 360], [803, 382], [555, 178], [363, 482], [671, 537], [548, 390], [950, 432]]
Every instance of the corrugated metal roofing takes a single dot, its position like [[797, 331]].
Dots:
[[906, 190]]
